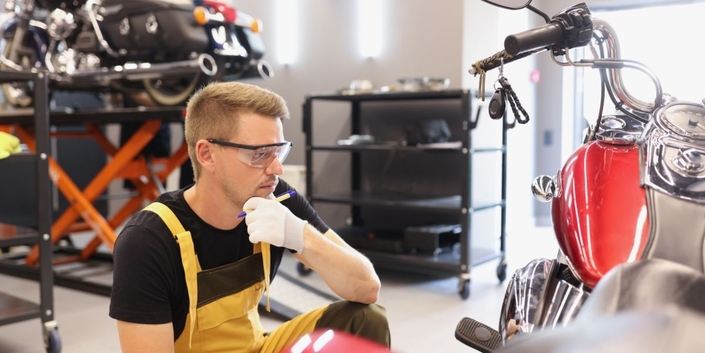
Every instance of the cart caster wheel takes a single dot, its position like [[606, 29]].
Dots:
[[53, 342], [502, 271], [303, 270], [464, 288]]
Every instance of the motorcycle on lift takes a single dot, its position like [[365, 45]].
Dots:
[[166, 48], [632, 196]]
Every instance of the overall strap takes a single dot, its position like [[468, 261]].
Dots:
[[185, 242], [264, 248]]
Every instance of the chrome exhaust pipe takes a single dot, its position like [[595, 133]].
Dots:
[[144, 71], [262, 70], [265, 69]]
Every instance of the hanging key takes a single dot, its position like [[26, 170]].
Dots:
[[498, 104]]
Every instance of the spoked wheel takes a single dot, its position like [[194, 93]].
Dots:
[[18, 94], [176, 91]]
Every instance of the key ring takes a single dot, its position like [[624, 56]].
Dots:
[[501, 72]]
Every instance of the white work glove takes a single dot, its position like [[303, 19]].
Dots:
[[271, 222]]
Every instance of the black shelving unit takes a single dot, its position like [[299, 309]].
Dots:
[[32, 167], [443, 193]]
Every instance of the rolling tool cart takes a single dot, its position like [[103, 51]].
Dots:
[[427, 188], [33, 211]]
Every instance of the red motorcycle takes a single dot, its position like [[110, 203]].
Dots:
[[634, 191]]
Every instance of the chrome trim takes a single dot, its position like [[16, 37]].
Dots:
[[151, 25], [616, 137], [231, 51], [96, 28], [544, 188], [537, 298], [619, 129], [265, 69], [617, 86], [675, 154], [136, 71], [205, 61]]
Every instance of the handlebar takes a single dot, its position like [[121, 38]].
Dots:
[[572, 28], [548, 35], [494, 61]]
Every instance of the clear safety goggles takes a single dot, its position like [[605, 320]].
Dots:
[[258, 156]]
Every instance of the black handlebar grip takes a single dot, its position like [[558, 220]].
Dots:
[[547, 35]]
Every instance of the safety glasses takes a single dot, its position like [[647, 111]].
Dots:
[[258, 156]]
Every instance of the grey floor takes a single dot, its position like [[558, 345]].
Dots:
[[422, 311]]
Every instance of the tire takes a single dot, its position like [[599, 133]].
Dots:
[[169, 92], [53, 342], [18, 94], [502, 271], [464, 288], [177, 91]]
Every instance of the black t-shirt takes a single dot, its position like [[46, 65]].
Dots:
[[148, 276]]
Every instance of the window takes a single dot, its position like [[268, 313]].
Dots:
[[666, 39]]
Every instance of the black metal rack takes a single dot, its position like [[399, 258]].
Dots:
[[88, 276], [13, 309], [455, 204]]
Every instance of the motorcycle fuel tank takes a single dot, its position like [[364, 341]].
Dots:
[[599, 211]]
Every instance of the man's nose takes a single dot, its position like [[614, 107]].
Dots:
[[275, 167]]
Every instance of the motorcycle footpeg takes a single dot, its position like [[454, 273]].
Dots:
[[477, 335]]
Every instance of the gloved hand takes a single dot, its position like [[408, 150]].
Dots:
[[8, 144], [271, 222]]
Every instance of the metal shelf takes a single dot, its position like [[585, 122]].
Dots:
[[433, 265], [451, 204], [97, 116], [389, 147], [397, 147], [14, 309], [443, 183], [390, 253], [390, 96]]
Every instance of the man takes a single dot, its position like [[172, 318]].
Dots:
[[189, 272]]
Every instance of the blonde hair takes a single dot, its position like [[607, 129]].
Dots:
[[213, 112]]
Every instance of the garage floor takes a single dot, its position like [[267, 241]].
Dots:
[[422, 311]]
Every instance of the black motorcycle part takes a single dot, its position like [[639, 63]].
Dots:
[[61, 4], [477, 335], [176, 31], [645, 285], [498, 104], [252, 42], [87, 42]]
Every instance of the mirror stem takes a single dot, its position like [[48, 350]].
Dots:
[[539, 12]]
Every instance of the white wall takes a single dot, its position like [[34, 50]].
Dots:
[[421, 38], [484, 29]]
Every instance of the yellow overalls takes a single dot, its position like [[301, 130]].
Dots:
[[223, 301]]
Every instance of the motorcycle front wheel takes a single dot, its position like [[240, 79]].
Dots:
[[18, 94]]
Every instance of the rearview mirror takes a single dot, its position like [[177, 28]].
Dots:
[[509, 4]]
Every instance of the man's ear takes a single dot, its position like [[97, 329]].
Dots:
[[204, 154]]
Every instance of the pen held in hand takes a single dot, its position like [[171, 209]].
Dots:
[[279, 198]]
